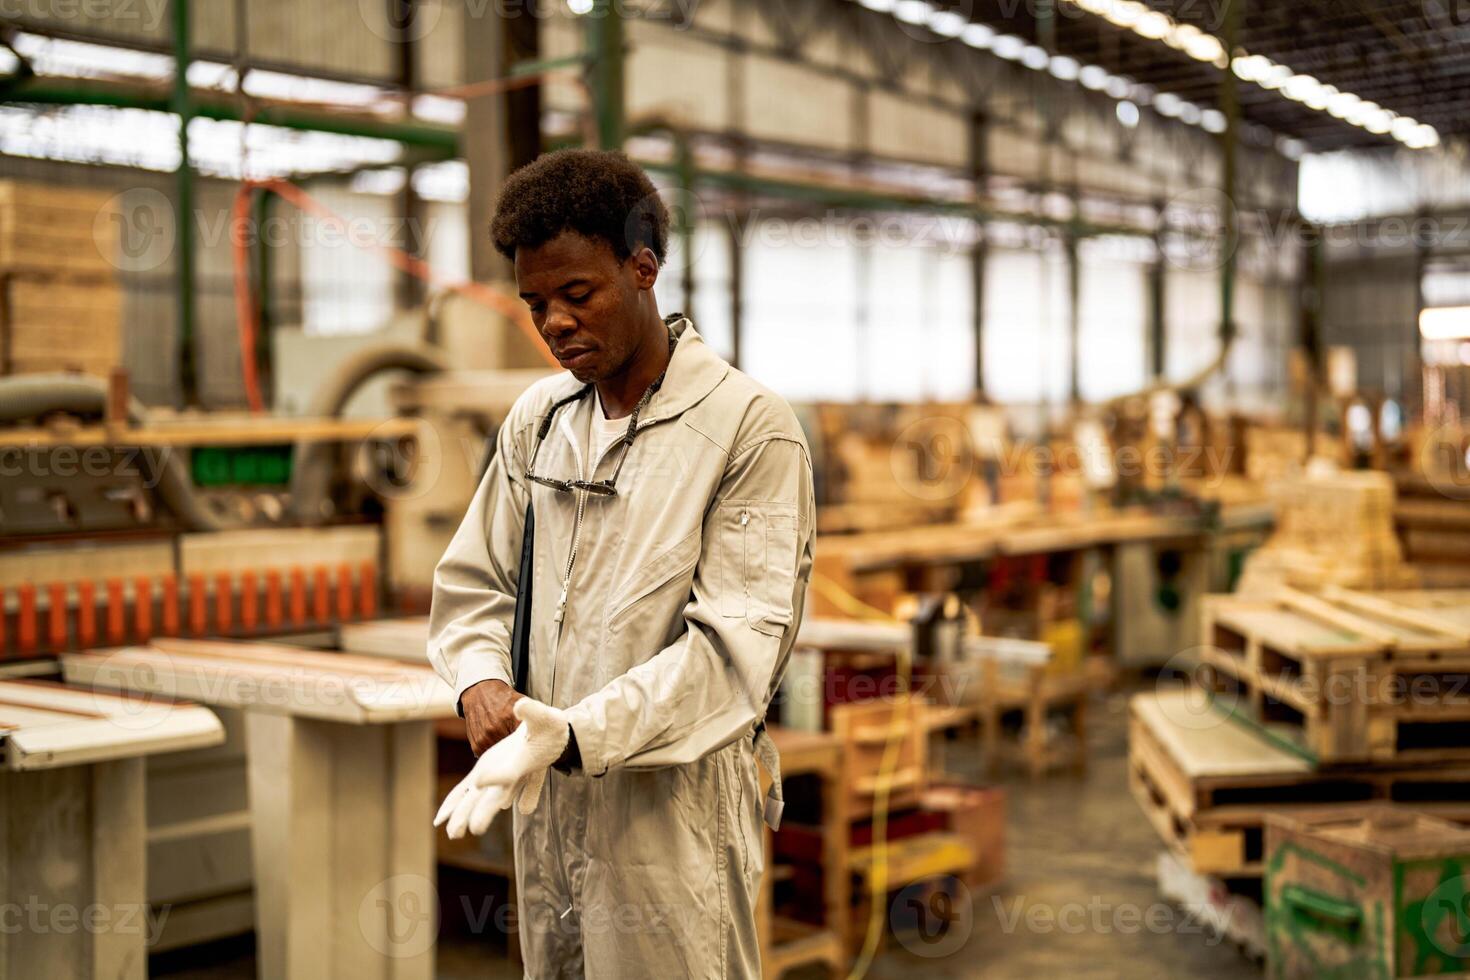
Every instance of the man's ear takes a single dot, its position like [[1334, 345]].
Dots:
[[645, 267]]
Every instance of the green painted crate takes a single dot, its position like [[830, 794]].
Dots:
[[1373, 892]]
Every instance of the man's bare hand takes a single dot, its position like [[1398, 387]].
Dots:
[[488, 713]]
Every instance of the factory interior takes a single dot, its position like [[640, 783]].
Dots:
[[1129, 346]]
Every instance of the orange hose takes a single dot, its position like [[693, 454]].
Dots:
[[247, 316]]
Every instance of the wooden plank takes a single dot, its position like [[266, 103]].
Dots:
[[267, 678], [212, 432], [47, 726], [1209, 746]]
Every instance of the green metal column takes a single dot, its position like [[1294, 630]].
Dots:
[[1157, 300], [1229, 142], [605, 49], [182, 106], [687, 215]]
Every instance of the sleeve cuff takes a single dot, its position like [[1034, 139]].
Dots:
[[585, 732], [476, 666]]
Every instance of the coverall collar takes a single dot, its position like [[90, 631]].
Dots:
[[693, 373]]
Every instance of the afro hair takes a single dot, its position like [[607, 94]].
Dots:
[[599, 194]]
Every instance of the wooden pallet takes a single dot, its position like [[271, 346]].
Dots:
[[1343, 677], [1208, 785]]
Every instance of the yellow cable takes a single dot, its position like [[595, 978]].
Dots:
[[877, 882]]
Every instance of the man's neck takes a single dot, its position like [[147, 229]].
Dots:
[[621, 392]]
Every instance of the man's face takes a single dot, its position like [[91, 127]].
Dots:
[[585, 302]]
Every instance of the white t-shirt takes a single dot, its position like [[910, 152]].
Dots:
[[605, 432]]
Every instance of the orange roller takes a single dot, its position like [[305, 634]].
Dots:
[[320, 593], [143, 608], [249, 601], [25, 622], [56, 616], [224, 603], [298, 596], [272, 598], [170, 606], [197, 619], [86, 614], [344, 592], [115, 605], [368, 590]]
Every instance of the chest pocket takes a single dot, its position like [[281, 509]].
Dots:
[[673, 564], [757, 542]]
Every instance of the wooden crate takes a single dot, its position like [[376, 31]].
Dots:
[[1345, 677], [60, 324], [1366, 892], [57, 230], [868, 729], [1208, 786]]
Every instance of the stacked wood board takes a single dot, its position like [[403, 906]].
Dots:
[[60, 304], [1209, 786], [1331, 529], [1345, 677]]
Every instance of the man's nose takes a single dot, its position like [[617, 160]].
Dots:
[[559, 322]]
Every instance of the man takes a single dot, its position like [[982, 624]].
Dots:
[[671, 500]]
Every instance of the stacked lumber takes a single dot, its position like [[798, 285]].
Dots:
[[60, 304], [1331, 529], [1209, 786]]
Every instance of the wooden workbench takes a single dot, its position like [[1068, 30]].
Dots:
[[340, 759], [73, 835]]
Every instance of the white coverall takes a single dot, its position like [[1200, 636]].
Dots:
[[684, 597]]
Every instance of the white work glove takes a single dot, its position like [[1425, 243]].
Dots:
[[511, 770]]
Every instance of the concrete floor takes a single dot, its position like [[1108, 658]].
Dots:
[[1080, 858]]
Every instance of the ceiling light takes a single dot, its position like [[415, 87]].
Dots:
[[1379, 123], [1251, 68], [1213, 121], [1128, 114], [1124, 13], [1190, 113], [1275, 77], [1093, 77], [1180, 35], [1035, 57], [1299, 87], [1342, 103], [1426, 137], [1064, 68], [1008, 46], [1403, 128], [881, 6], [978, 35], [1444, 322], [1152, 25], [1167, 104], [1205, 48], [1318, 100], [1119, 87], [947, 23], [913, 11]]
